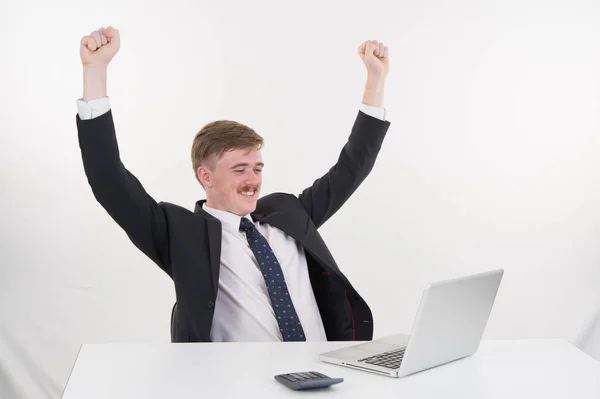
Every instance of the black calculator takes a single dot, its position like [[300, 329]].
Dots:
[[306, 380]]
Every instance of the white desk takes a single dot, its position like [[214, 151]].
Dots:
[[500, 369]]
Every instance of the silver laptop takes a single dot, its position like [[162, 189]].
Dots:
[[448, 326]]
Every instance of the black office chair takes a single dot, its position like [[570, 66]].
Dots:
[[173, 321]]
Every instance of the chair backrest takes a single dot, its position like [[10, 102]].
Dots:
[[173, 321]]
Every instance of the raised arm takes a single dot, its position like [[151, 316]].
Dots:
[[114, 187], [356, 160]]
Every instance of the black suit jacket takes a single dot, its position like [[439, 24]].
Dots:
[[187, 245]]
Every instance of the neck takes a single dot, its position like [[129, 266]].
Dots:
[[218, 207]]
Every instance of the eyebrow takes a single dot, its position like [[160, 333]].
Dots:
[[238, 165]]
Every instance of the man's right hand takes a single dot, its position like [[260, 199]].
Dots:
[[99, 47]]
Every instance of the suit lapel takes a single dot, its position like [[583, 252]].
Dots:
[[213, 232], [213, 229], [301, 232]]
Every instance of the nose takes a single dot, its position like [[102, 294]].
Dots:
[[252, 179], [251, 182]]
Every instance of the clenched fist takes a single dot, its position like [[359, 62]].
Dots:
[[99, 48], [375, 57]]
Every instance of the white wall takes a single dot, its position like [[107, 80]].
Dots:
[[491, 159]]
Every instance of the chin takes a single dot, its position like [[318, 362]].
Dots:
[[249, 208], [244, 209], [248, 204]]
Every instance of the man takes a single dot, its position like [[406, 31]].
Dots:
[[244, 269]]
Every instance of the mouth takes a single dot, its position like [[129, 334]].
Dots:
[[248, 192]]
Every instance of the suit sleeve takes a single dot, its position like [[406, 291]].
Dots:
[[119, 192], [356, 160]]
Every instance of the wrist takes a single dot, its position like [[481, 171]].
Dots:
[[94, 82], [376, 78], [374, 91]]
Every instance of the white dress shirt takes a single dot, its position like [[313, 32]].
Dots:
[[243, 310]]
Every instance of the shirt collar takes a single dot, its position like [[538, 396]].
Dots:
[[230, 221]]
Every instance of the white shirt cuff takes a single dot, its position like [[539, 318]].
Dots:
[[93, 108], [375, 112]]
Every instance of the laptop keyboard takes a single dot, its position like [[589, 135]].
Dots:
[[390, 360]]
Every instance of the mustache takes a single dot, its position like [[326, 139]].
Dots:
[[249, 187]]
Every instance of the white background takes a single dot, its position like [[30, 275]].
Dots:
[[491, 159]]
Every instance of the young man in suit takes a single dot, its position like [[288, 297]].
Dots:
[[244, 268]]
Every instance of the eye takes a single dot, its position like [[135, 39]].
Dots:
[[238, 171], [258, 170]]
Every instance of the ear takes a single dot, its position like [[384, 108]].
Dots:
[[205, 176]]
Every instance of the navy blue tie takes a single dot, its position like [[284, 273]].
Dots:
[[289, 324]]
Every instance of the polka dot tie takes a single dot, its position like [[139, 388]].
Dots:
[[289, 324]]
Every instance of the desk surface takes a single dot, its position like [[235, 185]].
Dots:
[[500, 369]]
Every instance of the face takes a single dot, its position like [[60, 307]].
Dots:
[[235, 182]]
